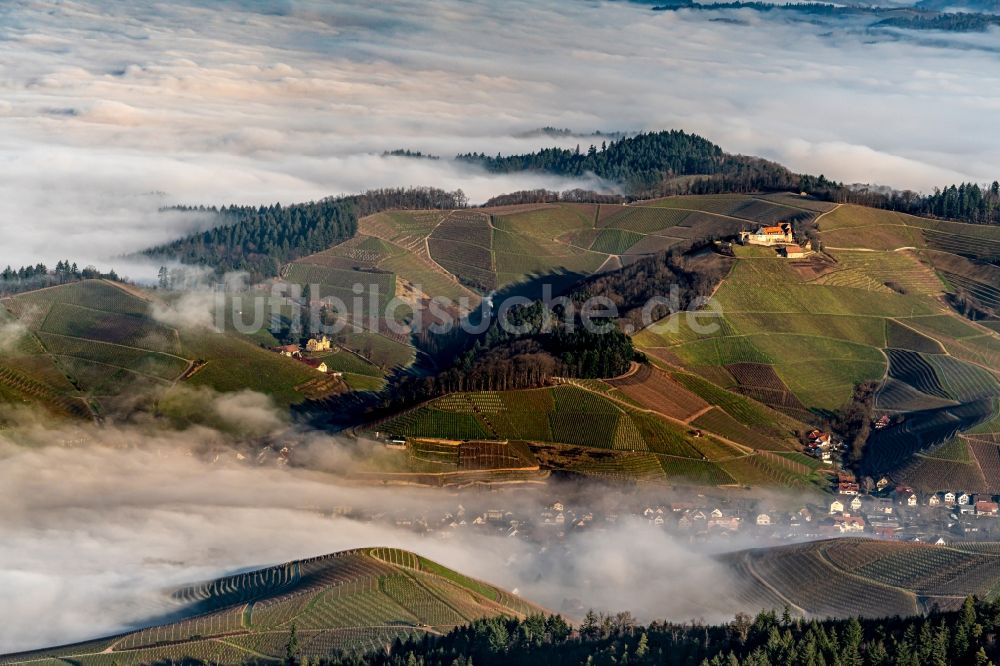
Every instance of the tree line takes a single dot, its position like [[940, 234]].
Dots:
[[963, 638], [551, 196], [657, 285], [259, 239], [27, 278]]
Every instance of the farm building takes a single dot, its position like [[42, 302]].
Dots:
[[779, 234], [292, 351], [315, 364], [794, 252], [987, 508]]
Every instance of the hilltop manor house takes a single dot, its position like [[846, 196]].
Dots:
[[780, 234]]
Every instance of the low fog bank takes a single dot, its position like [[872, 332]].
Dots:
[[120, 206], [99, 521], [103, 119]]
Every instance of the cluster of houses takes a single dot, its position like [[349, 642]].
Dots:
[[883, 513], [822, 446], [313, 345], [897, 515]]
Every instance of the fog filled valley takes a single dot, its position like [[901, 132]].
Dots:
[[101, 524]]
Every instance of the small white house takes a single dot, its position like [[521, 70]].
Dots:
[[763, 520]]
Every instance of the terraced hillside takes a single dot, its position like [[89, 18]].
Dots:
[[358, 600], [965, 256], [464, 253], [83, 346], [853, 576], [644, 427]]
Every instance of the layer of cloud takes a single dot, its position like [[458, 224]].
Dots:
[[192, 309], [106, 118], [99, 523]]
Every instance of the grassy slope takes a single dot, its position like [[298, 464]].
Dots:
[[117, 346], [645, 438], [354, 601]]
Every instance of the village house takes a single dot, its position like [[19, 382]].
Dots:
[[322, 344], [820, 438], [963, 499], [934, 500], [882, 422], [848, 488], [779, 234], [849, 524], [856, 503], [888, 528], [912, 499], [836, 506], [763, 520], [726, 523], [949, 498], [883, 505]]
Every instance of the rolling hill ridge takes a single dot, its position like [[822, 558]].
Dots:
[[353, 601]]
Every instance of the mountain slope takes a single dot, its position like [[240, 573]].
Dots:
[[356, 600]]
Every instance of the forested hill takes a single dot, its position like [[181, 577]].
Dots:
[[650, 164], [638, 161], [259, 239], [963, 638]]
